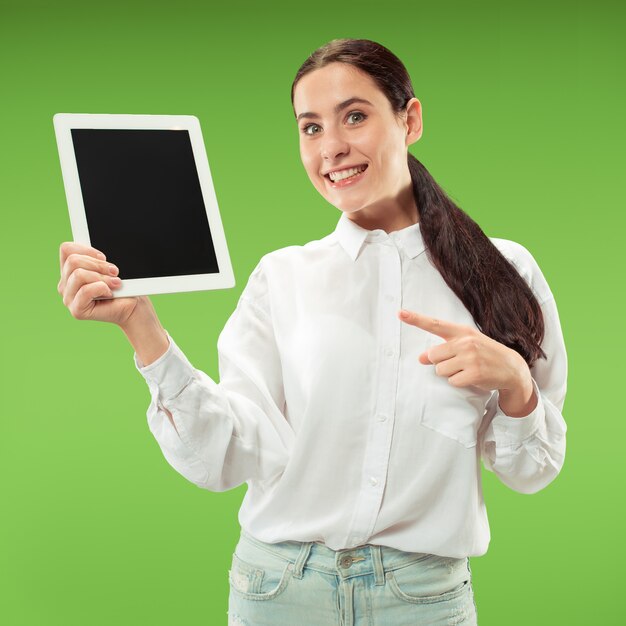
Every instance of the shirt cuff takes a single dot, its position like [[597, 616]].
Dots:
[[513, 430], [171, 372]]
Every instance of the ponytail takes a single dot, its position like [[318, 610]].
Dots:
[[500, 301]]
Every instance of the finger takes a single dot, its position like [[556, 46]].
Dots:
[[83, 304], [449, 367], [72, 247], [75, 261], [80, 277], [438, 353], [424, 359], [461, 379], [441, 328]]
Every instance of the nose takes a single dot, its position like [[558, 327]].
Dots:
[[333, 145]]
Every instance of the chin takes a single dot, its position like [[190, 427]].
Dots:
[[349, 208]]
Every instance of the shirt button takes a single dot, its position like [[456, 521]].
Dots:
[[389, 352], [373, 481], [382, 418]]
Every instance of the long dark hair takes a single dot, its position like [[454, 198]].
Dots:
[[501, 302]]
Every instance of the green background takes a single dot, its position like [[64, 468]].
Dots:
[[523, 127]]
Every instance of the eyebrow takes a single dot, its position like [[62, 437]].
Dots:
[[338, 107]]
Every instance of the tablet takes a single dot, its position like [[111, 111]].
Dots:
[[139, 189]]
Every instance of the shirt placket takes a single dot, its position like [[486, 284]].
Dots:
[[380, 428]]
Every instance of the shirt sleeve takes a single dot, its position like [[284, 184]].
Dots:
[[221, 435], [527, 453]]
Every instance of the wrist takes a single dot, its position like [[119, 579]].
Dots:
[[145, 333], [143, 315], [519, 398]]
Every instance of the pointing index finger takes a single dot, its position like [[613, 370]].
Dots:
[[442, 328]]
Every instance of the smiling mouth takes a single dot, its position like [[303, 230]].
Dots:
[[362, 167]]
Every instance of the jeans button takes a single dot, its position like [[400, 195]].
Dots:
[[345, 561]]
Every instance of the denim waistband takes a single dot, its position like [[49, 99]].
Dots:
[[366, 559]]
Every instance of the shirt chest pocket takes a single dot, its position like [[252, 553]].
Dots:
[[455, 412]]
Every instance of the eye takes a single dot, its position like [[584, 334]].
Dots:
[[363, 115], [305, 128], [357, 113]]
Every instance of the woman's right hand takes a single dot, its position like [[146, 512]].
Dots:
[[84, 276]]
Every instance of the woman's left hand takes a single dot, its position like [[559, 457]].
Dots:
[[468, 357]]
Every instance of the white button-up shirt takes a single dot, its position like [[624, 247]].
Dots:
[[324, 410]]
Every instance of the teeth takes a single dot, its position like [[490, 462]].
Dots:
[[335, 176]]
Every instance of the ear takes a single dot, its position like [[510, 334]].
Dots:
[[413, 121]]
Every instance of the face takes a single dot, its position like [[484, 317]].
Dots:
[[335, 134]]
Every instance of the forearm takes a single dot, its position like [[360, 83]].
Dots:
[[146, 334]]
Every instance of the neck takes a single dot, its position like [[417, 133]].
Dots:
[[389, 215]]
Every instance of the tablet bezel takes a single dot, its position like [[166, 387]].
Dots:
[[63, 125]]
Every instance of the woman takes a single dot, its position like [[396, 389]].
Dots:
[[359, 430]]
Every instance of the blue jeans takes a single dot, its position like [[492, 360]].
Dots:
[[295, 583]]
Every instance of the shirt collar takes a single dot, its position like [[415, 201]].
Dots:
[[351, 236]]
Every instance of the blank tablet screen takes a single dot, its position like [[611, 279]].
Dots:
[[143, 201]]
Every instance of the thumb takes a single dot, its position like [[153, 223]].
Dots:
[[423, 358]]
